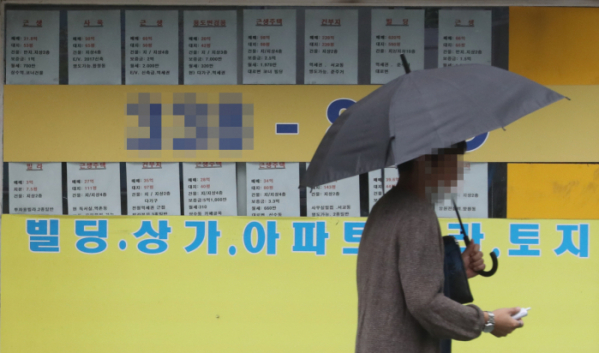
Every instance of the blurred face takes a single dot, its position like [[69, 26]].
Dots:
[[442, 172]]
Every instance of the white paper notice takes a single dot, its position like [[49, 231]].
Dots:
[[375, 185], [464, 37], [210, 47], [269, 46], [151, 47], [35, 188], [32, 47], [395, 32], [94, 47], [339, 198], [472, 201], [272, 189], [210, 189], [94, 189], [331, 47], [153, 189]]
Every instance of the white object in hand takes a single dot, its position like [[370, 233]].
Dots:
[[523, 312]]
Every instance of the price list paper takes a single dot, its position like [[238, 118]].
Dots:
[[375, 186], [32, 47], [153, 189], [151, 47], [94, 189], [269, 46], [272, 189], [35, 188], [210, 47], [331, 47], [94, 47], [339, 198], [210, 189], [472, 199], [395, 32], [464, 37]]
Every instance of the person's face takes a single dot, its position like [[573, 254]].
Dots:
[[443, 171]]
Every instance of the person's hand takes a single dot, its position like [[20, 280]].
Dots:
[[473, 260], [504, 323]]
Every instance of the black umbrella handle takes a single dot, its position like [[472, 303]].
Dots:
[[483, 273]]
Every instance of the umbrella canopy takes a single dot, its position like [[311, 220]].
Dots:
[[422, 111]]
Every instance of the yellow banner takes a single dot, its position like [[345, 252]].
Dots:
[[191, 284], [247, 123]]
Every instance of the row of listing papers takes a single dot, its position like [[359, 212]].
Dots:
[[151, 50], [210, 189]]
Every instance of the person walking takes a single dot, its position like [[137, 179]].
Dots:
[[401, 305]]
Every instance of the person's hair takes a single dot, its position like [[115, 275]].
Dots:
[[456, 148]]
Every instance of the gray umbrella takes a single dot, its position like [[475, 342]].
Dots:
[[421, 111]]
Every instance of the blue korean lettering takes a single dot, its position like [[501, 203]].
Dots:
[[213, 235], [524, 235], [268, 237], [272, 236], [41, 226], [352, 233], [43, 235], [95, 235], [200, 227], [476, 235], [305, 239], [260, 237], [157, 245], [567, 243]]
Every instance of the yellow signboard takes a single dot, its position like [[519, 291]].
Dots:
[[567, 191], [246, 123], [534, 32], [191, 284]]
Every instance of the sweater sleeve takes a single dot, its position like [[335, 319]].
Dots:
[[421, 274]]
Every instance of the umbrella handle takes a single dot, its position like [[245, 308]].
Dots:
[[493, 269], [483, 273]]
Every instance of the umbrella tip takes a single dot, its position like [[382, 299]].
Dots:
[[406, 65]]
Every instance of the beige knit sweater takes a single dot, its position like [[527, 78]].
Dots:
[[401, 306]]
